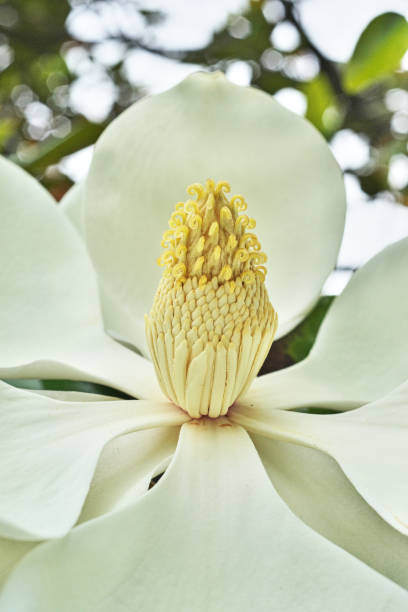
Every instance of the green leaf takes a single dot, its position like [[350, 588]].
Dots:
[[8, 127], [296, 345], [322, 106], [378, 52]]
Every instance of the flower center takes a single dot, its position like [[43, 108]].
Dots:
[[211, 324]]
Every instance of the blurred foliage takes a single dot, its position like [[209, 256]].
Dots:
[[368, 95], [296, 345], [45, 60]]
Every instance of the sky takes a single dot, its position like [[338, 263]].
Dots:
[[333, 25]]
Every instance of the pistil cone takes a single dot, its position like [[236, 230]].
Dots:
[[211, 324]]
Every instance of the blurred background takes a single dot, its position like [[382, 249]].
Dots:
[[68, 67]]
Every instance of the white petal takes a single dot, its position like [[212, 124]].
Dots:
[[73, 396], [50, 322], [360, 352], [212, 536], [122, 324], [369, 443], [10, 554], [49, 452], [72, 206], [125, 468], [118, 322], [206, 127], [317, 490]]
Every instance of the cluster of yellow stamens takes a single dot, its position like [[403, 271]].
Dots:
[[211, 324], [209, 237]]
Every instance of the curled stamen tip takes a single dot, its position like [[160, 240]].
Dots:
[[195, 189], [248, 277], [181, 231], [239, 203], [223, 186], [232, 242], [195, 222], [241, 255], [181, 251], [260, 271], [209, 237], [191, 206], [179, 271]]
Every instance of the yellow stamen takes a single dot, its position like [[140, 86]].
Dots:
[[211, 324]]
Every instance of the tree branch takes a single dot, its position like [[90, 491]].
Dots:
[[327, 66]]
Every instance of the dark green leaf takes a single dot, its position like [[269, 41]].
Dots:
[[296, 345], [317, 411], [66, 385]]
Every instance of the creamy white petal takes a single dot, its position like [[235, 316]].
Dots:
[[206, 127], [360, 352], [125, 468], [118, 322], [72, 206], [49, 451], [50, 321], [73, 396], [317, 490], [121, 323], [11, 552], [369, 443], [212, 536]]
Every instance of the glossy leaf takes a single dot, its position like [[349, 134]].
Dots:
[[378, 52]]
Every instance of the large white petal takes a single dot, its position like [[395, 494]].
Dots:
[[125, 469], [50, 321], [49, 451], [360, 352], [317, 490], [11, 552], [118, 322], [73, 396], [206, 127], [369, 443], [212, 536], [72, 206]]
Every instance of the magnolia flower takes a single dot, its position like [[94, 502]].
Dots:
[[260, 506]]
